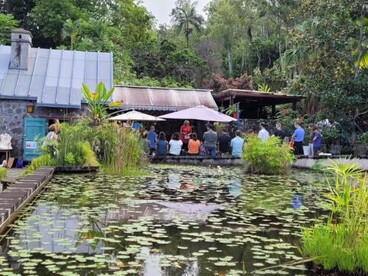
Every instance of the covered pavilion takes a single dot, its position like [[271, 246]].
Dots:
[[252, 103]]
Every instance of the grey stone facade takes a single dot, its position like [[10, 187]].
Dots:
[[12, 117]]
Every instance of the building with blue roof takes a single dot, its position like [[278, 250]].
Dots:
[[39, 85]]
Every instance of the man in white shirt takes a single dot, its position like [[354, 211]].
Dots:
[[263, 133]]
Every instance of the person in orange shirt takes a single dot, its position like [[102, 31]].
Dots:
[[194, 145]]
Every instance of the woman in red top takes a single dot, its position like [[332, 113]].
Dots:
[[185, 131]]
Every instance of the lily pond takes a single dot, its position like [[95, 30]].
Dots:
[[175, 220]]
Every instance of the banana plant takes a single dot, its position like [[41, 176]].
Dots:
[[97, 101]]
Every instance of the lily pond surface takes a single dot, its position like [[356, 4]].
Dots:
[[172, 221]]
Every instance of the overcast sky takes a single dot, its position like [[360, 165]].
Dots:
[[161, 9]]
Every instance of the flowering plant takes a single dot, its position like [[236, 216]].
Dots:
[[97, 100]]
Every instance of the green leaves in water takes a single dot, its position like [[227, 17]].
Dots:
[[175, 218]]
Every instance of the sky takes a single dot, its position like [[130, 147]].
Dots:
[[161, 9]]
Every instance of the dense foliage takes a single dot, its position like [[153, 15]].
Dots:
[[269, 157], [116, 150], [342, 242], [315, 48]]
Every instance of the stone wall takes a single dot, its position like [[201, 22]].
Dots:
[[12, 117]]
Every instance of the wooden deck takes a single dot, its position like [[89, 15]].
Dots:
[[18, 194]]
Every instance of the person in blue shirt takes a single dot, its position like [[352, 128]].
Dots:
[[152, 138], [136, 126], [236, 144], [162, 145], [298, 138], [317, 141]]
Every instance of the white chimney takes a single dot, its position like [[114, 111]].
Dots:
[[21, 42]]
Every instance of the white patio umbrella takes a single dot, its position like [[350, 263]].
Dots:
[[135, 116], [201, 113]]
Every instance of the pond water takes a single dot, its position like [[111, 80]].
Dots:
[[173, 221]]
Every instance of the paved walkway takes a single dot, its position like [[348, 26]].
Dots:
[[308, 163]]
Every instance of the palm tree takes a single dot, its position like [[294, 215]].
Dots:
[[71, 30], [185, 17]]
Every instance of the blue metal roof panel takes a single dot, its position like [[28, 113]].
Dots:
[[54, 77]]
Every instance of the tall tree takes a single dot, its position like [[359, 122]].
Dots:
[[7, 23], [330, 41], [20, 10], [230, 24], [185, 18]]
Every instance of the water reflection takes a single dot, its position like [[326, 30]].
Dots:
[[296, 201], [235, 187], [175, 222]]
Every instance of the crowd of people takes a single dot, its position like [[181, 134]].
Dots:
[[212, 143], [187, 142]]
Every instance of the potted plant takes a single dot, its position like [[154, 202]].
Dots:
[[232, 111], [331, 137]]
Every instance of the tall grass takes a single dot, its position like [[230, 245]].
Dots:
[[269, 157], [74, 145], [342, 242], [82, 144], [120, 149]]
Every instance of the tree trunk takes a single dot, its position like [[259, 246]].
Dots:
[[230, 64]]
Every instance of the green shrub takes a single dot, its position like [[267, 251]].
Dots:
[[121, 154], [3, 173], [342, 241], [74, 148], [42, 160], [81, 144], [270, 157]]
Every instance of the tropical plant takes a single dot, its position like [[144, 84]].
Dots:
[[185, 18], [97, 101], [264, 87], [231, 110], [269, 157], [119, 149], [40, 161], [342, 241]]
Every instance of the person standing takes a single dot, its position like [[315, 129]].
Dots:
[[162, 145], [210, 140], [236, 145], [224, 142], [279, 132], [175, 144], [263, 133], [51, 140], [317, 141], [152, 138], [136, 126], [194, 145], [185, 131], [311, 137], [298, 138]]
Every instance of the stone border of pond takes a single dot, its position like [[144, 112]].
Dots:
[[198, 160], [19, 194], [302, 162], [75, 169], [309, 163]]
